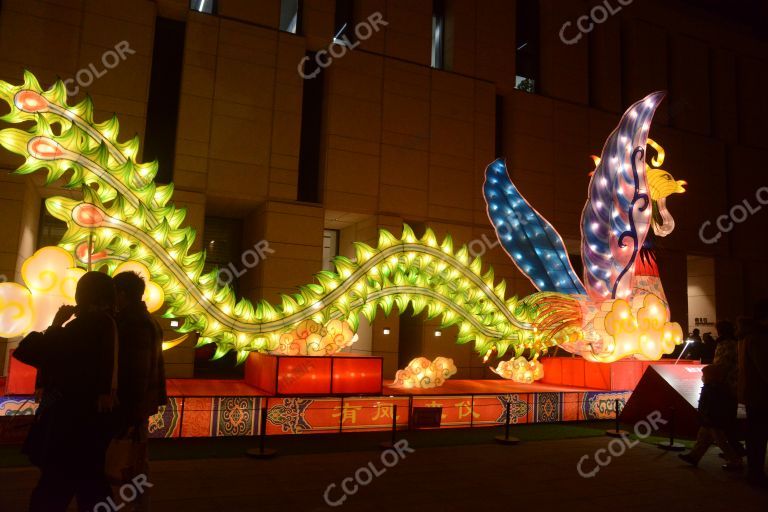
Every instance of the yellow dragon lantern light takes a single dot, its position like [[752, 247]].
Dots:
[[618, 310]]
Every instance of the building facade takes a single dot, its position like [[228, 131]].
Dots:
[[299, 127]]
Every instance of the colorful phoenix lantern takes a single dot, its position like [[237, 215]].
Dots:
[[619, 310]]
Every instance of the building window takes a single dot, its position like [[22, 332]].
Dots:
[[330, 248], [499, 128], [309, 183], [527, 45], [206, 6], [50, 229], [163, 98], [438, 34], [290, 16], [344, 18], [222, 243]]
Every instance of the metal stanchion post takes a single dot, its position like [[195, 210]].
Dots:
[[386, 445], [505, 439], [671, 445], [262, 452], [617, 432]]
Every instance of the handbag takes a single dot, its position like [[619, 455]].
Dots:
[[125, 457]]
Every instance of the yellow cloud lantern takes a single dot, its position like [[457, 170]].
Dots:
[[520, 370], [425, 374], [51, 277]]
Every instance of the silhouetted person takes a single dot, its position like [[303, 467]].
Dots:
[[708, 347], [694, 348], [141, 382], [75, 362], [714, 416], [753, 388], [727, 356]]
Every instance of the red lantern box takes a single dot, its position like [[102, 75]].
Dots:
[[21, 378], [321, 375]]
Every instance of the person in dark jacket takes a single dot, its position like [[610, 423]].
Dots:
[[708, 348], [715, 415], [141, 372], [727, 356], [753, 389], [694, 349], [75, 361]]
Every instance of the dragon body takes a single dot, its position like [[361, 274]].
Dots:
[[123, 216]]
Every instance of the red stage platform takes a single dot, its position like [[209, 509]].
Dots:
[[343, 394], [621, 375]]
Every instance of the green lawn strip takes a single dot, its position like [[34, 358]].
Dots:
[[164, 449], [227, 447]]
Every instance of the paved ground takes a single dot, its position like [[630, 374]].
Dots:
[[454, 471]]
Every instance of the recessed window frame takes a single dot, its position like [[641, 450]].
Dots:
[[437, 60], [343, 23], [204, 6], [291, 12], [527, 45]]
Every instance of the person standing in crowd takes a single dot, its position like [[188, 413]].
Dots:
[[141, 373], [727, 356], [715, 406], [753, 389], [694, 349], [708, 348], [76, 367]]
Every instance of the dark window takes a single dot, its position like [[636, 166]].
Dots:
[[499, 140], [344, 19], [50, 229], [527, 45], [222, 244], [311, 126], [290, 16], [163, 100], [438, 34], [206, 6]]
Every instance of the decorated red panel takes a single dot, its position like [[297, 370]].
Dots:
[[571, 407], [457, 410], [374, 413], [166, 422], [303, 415], [601, 405], [492, 410], [196, 414]]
